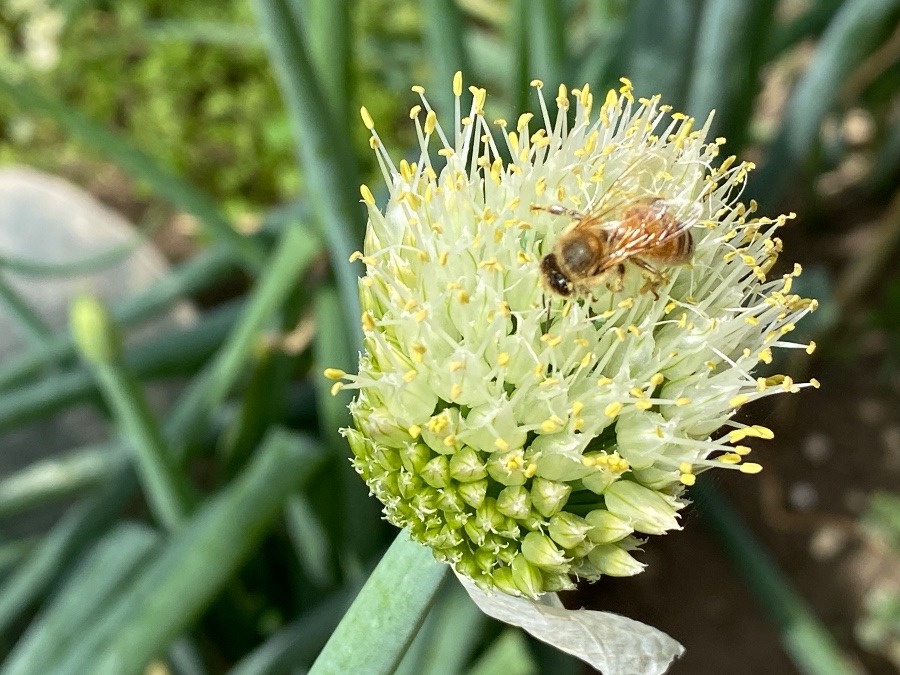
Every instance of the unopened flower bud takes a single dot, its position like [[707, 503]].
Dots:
[[606, 527], [567, 529], [466, 465], [644, 509], [473, 493], [436, 472], [526, 577], [549, 497], [514, 501], [540, 550], [414, 456], [611, 560]]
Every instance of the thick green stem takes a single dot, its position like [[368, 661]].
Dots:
[[381, 623]]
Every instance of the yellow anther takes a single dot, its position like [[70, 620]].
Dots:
[[502, 358], [414, 111], [523, 121], [500, 444], [366, 194], [443, 258], [613, 409], [738, 401], [455, 390], [356, 255], [336, 387], [457, 83], [627, 303], [766, 355], [634, 330], [530, 470], [368, 321], [644, 404], [586, 359], [418, 89], [430, 122], [409, 375], [450, 440], [657, 380], [620, 333], [491, 264], [751, 467], [577, 407], [549, 426], [752, 320], [737, 435], [552, 340], [414, 430], [682, 401], [814, 383], [604, 381], [456, 365], [730, 458], [762, 432], [537, 83], [463, 298], [811, 347], [742, 450], [334, 373], [420, 316], [367, 118]]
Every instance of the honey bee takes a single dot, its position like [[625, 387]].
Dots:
[[646, 234]]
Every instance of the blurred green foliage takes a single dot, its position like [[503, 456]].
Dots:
[[252, 533]]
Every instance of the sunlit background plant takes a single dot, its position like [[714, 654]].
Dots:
[[230, 531]]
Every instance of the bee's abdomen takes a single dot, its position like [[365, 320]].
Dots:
[[673, 252]]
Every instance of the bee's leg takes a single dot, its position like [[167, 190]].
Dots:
[[618, 281], [655, 278], [559, 210]]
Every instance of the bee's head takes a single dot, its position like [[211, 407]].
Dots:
[[554, 278]]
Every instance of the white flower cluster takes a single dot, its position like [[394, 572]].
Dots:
[[529, 438]]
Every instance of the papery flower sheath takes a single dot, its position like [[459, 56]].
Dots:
[[529, 439]]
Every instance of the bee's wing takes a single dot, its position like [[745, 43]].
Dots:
[[633, 239]]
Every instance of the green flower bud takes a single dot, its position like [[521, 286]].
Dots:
[[466, 465], [388, 458], [485, 559], [408, 484], [567, 529], [446, 538], [540, 550], [606, 527], [414, 456], [425, 500], [473, 493], [436, 472], [549, 497], [599, 480], [582, 549], [488, 517], [474, 531], [466, 565], [456, 519], [611, 560], [502, 578], [360, 446], [97, 337], [526, 577], [645, 510], [514, 501], [557, 582], [449, 501]]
